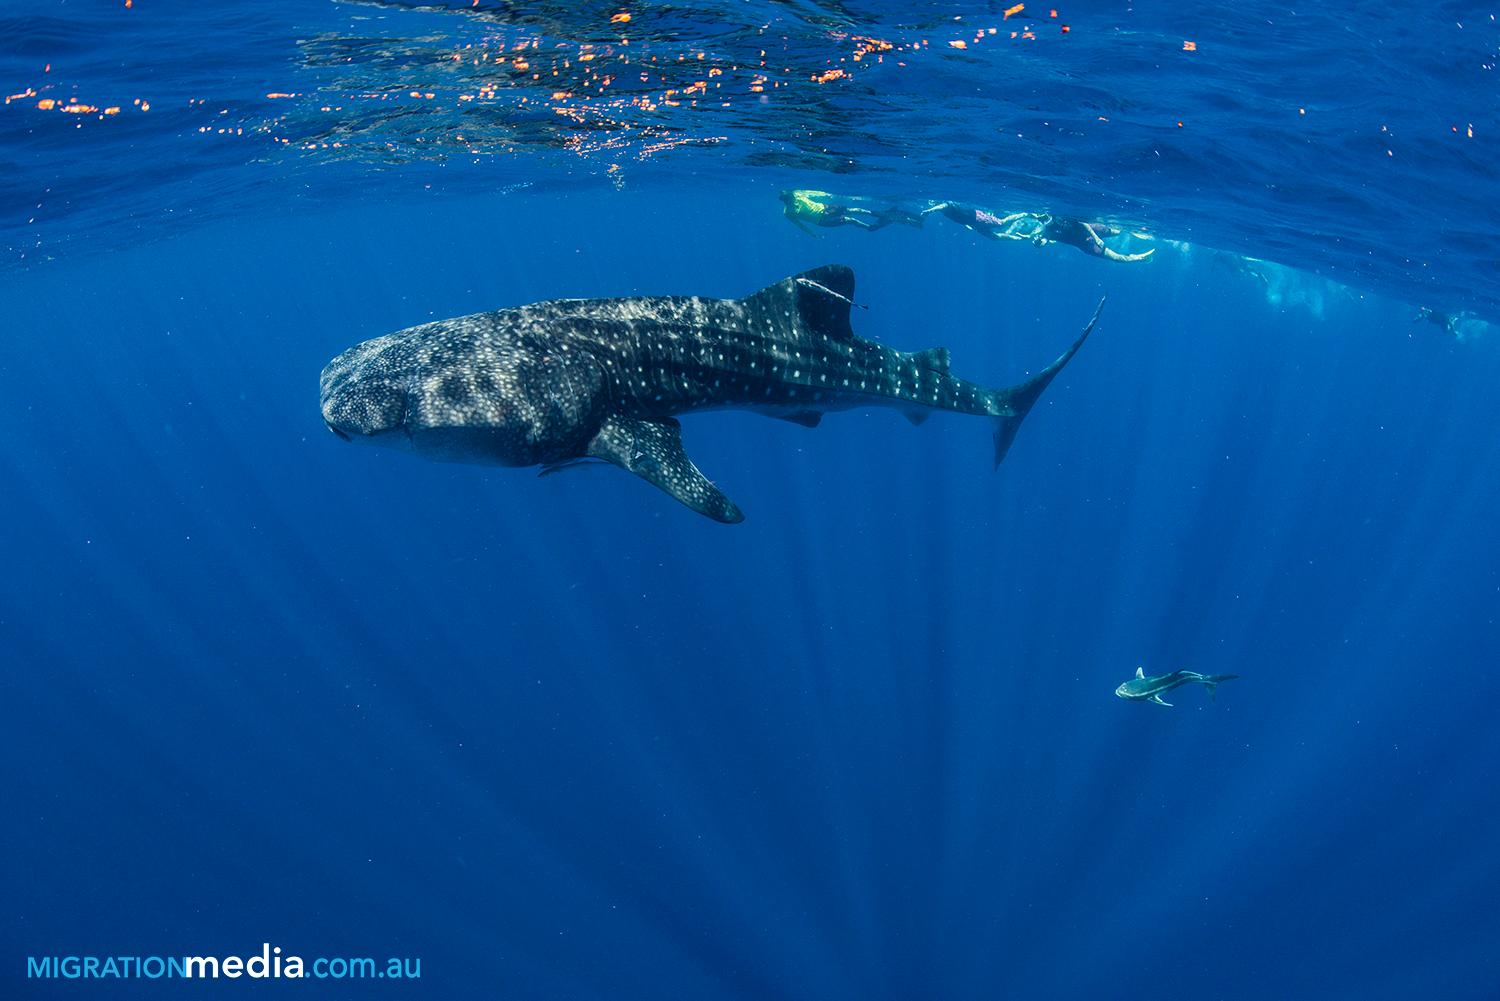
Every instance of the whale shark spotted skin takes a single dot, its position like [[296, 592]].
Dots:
[[560, 382]]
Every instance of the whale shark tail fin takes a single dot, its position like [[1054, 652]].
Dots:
[[1018, 400], [1212, 683]]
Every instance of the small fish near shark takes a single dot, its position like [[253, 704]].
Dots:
[[557, 383], [1150, 689]]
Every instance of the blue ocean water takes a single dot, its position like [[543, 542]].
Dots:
[[561, 737]]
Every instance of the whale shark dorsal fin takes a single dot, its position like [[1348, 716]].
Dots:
[[815, 302], [653, 451], [1140, 672]]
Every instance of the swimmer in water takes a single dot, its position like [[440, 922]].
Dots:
[[819, 208], [1088, 237], [1016, 226], [1461, 326], [1040, 228]]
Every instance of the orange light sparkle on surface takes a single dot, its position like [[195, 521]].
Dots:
[[46, 104], [1011, 12], [620, 19], [959, 44], [1189, 46]]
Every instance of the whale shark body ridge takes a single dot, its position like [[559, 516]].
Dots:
[[556, 383]]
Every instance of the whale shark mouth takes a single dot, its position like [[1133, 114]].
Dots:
[[341, 435]]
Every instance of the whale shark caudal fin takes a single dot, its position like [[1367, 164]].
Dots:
[[653, 451], [1020, 399]]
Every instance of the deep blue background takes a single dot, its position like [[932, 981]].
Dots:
[[562, 738]]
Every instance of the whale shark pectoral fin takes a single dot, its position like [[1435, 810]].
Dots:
[[807, 418], [653, 451], [1158, 700]]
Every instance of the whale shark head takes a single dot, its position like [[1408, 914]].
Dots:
[[465, 390], [366, 392]]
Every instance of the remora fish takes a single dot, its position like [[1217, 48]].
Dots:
[[559, 382], [1151, 689]]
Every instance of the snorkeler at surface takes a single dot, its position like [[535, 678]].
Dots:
[[1016, 226], [1040, 228], [1088, 237], [819, 208], [1461, 326], [1449, 324]]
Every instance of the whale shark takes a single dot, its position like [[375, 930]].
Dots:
[[557, 383]]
